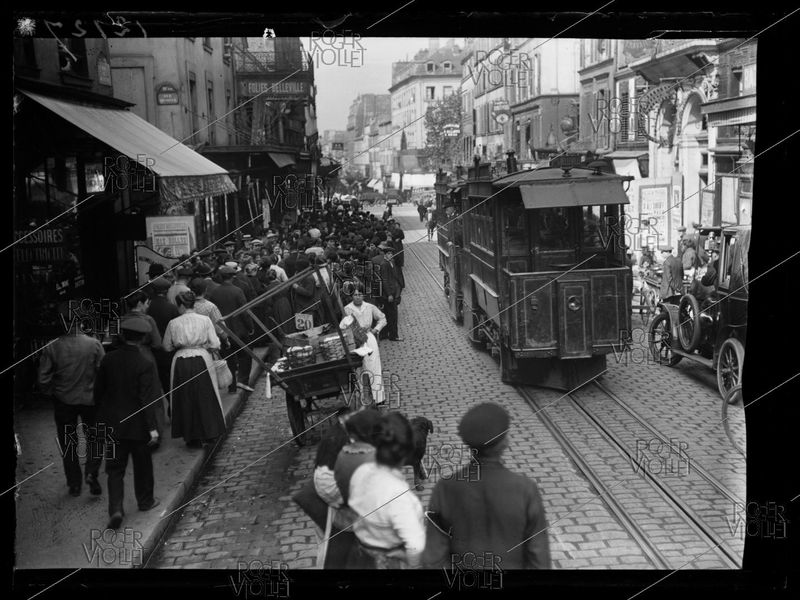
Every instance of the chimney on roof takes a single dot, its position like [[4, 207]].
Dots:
[[433, 44]]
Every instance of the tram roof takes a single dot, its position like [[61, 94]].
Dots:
[[557, 187]]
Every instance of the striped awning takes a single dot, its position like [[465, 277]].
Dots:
[[183, 174]]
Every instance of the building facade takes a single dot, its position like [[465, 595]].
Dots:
[[727, 197], [434, 73]]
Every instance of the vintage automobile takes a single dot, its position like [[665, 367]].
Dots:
[[709, 324], [534, 273]]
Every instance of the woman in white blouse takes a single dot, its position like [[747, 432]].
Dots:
[[390, 530], [196, 403], [370, 318]]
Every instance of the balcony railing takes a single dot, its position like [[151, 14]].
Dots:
[[269, 62]]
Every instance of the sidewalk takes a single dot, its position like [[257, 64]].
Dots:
[[56, 530]]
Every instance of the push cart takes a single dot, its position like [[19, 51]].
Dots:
[[323, 372]]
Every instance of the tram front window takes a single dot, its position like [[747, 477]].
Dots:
[[554, 229]]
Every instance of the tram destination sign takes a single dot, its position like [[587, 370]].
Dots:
[[273, 89]]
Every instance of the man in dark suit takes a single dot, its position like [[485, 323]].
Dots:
[[485, 509], [228, 298], [162, 311], [125, 392], [297, 260], [671, 277], [391, 286]]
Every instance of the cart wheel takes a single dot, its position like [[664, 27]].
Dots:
[[729, 366], [730, 398], [689, 330], [297, 419], [660, 340]]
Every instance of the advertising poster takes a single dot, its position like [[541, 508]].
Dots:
[[171, 236], [653, 204]]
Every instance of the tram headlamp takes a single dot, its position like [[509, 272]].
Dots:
[[574, 303]]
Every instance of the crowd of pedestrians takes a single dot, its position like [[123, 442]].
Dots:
[[172, 328]]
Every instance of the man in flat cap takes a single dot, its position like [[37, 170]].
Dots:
[[391, 286], [671, 277], [485, 509], [125, 392]]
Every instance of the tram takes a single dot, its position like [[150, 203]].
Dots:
[[535, 268]]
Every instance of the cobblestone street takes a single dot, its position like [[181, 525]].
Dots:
[[243, 509]]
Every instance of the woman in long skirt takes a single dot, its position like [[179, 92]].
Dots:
[[197, 414], [370, 318]]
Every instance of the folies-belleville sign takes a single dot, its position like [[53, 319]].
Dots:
[[273, 89]]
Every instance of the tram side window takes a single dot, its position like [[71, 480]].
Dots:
[[552, 225], [482, 226]]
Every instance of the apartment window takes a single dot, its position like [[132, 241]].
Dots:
[[429, 67], [72, 56], [207, 44], [430, 92], [212, 129], [193, 104], [748, 79], [448, 67], [447, 90]]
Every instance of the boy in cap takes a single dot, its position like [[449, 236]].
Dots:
[[125, 392], [486, 509]]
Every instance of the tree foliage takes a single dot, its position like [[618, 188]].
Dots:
[[440, 148]]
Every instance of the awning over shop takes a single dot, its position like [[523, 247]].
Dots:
[[572, 193], [281, 159], [184, 175]]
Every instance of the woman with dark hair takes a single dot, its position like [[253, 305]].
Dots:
[[390, 530], [371, 320], [196, 404]]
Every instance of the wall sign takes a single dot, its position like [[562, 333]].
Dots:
[[103, 70], [167, 94]]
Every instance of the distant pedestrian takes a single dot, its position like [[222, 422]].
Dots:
[[422, 211], [389, 530], [125, 393], [487, 510], [67, 370], [431, 223], [197, 414]]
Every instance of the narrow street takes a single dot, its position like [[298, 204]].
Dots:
[[243, 509]]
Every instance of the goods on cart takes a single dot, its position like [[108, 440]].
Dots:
[[300, 356]]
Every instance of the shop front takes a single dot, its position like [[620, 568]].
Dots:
[[87, 175]]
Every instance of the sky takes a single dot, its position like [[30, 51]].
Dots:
[[338, 85]]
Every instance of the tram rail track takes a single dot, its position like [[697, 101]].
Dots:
[[655, 555]]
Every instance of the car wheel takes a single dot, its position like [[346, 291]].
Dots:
[[729, 366], [660, 340], [689, 330]]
